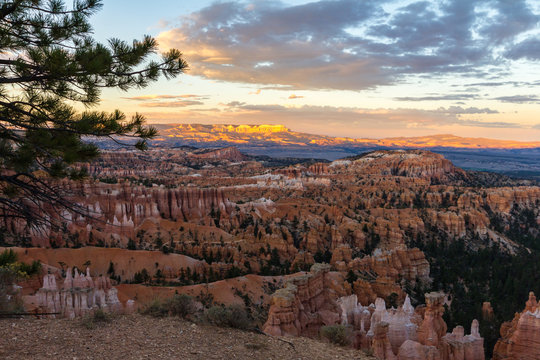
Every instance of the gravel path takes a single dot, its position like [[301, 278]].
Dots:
[[141, 337]]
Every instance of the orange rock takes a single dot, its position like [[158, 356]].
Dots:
[[519, 339], [458, 346], [304, 305], [380, 343], [487, 311], [433, 327], [413, 350]]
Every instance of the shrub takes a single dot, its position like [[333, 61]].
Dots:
[[10, 271], [217, 315], [7, 256], [337, 334], [368, 352], [156, 309], [10, 300], [255, 346], [181, 305], [99, 317], [233, 316], [239, 317]]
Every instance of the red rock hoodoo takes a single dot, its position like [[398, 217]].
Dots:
[[520, 338]]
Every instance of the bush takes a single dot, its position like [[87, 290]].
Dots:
[[337, 334], [10, 272], [181, 305], [217, 315], [7, 256], [233, 316], [99, 317], [10, 300], [156, 309]]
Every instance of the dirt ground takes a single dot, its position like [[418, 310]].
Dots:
[[142, 337]]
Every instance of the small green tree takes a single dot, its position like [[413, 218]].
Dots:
[[111, 271], [337, 334], [351, 277], [131, 244], [9, 299], [51, 63], [11, 271]]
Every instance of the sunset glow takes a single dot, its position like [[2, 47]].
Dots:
[[361, 69]]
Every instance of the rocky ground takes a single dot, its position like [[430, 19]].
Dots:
[[142, 337]]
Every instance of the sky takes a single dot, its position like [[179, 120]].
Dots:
[[356, 68]]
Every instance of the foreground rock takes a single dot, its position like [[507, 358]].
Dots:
[[307, 303], [520, 338]]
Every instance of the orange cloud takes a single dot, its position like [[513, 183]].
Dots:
[[159, 97], [293, 96], [178, 103]]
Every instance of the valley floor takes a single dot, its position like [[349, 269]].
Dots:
[[141, 337]]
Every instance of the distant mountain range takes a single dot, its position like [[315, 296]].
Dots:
[[514, 158], [257, 136]]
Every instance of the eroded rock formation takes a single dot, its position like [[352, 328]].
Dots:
[[77, 295], [305, 304], [520, 338]]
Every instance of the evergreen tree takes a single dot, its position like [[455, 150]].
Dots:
[[50, 66], [131, 245], [351, 277], [274, 258], [111, 271]]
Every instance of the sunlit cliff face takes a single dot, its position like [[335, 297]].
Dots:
[[281, 135], [253, 129]]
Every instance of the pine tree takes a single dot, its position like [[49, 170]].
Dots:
[[51, 66]]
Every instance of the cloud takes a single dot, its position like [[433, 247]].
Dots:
[[438, 97], [519, 99], [293, 96], [351, 44], [235, 104], [526, 49], [177, 103], [511, 18], [168, 101], [159, 97], [150, 97], [371, 118], [458, 110], [537, 126], [258, 92], [503, 83]]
